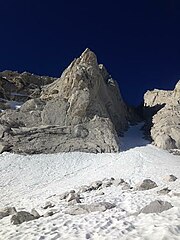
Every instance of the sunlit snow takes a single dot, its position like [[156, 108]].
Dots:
[[29, 181]]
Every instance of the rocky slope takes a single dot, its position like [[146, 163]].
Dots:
[[20, 87], [81, 111], [164, 109]]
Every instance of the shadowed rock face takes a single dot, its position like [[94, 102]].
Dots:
[[21, 86], [156, 206], [81, 111], [165, 130]]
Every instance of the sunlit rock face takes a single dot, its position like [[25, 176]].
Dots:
[[81, 111], [165, 130]]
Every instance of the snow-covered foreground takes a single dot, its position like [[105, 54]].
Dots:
[[28, 182]]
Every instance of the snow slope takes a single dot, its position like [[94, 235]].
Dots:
[[29, 181]]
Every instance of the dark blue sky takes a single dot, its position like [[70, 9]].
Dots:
[[137, 40]]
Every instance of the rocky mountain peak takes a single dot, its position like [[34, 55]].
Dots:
[[81, 111], [88, 90], [88, 57], [80, 74]]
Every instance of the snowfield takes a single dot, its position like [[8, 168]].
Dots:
[[28, 182]]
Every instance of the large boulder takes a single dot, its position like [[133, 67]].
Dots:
[[146, 185], [156, 206], [165, 117], [81, 111], [23, 216]]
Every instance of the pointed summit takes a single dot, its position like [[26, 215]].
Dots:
[[88, 57]]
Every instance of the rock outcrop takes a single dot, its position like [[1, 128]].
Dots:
[[146, 185], [157, 97], [156, 206], [23, 216], [81, 111], [19, 87], [164, 109]]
